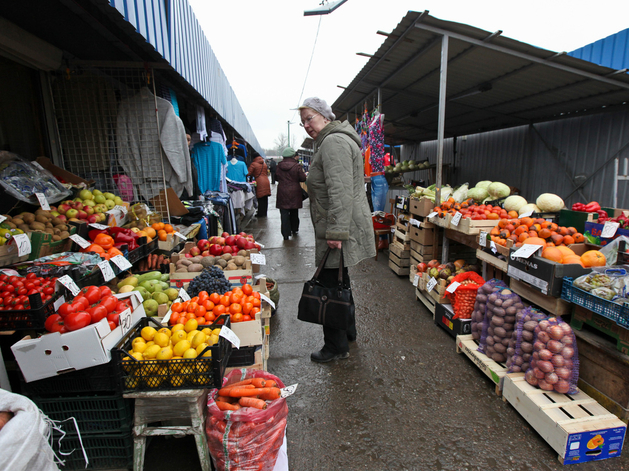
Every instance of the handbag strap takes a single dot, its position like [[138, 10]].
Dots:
[[322, 265]]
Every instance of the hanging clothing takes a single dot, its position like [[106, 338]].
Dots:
[[237, 172], [201, 123], [376, 142], [138, 145], [211, 163]]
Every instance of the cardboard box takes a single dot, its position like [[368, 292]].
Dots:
[[62, 174], [175, 206], [43, 245], [422, 236], [250, 333], [54, 354], [592, 234], [422, 207], [545, 275], [9, 256]]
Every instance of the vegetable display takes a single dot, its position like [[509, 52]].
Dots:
[[499, 322], [480, 306], [537, 231], [15, 290], [464, 296], [549, 203], [212, 279], [520, 351]]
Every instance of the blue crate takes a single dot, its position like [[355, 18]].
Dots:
[[616, 312]]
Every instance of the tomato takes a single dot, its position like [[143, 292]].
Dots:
[[66, 309], [112, 326], [110, 302], [97, 313], [122, 306], [54, 323], [18, 307], [22, 291], [93, 294], [113, 317], [32, 291], [105, 291], [4, 277], [77, 320], [30, 276], [10, 288], [81, 301], [48, 290]]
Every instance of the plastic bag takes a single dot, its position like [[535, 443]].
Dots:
[[523, 336], [592, 280], [611, 249], [246, 439], [605, 293], [502, 308], [480, 306], [22, 179], [554, 364], [464, 297]]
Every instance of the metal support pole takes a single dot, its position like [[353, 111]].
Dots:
[[379, 100], [288, 132], [443, 81]]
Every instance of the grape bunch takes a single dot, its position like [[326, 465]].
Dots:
[[212, 279]]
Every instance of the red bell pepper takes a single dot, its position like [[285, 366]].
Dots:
[[592, 207]]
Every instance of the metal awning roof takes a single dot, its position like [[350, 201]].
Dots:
[[493, 82]]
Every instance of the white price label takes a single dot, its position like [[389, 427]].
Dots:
[[268, 300], [261, 246], [431, 284], [288, 390], [9, 272], [230, 336], [416, 280], [456, 218], [59, 302], [121, 208], [259, 275], [482, 239], [138, 296], [181, 236], [414, 222], [69, 283], [43, 201], [526, 215], [183, 294], [105, 268], [121, 262], [80, 241], [23, 244], [392, 229], [526, 250], [101, 227], [609, 229], [492, 245], [258, 259], [2, 218], [434, 213], [453, 286], [124, 320]]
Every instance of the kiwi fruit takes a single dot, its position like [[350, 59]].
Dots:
[[61, 227], [56, 221], [50, 230], [41, 218], [64, 234], [23, 227], [18, 221], [11, 225], [56, 237], [37, 226], [49, 224], [56, 230], [27, 217]]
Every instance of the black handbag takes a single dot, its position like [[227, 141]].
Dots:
[[330, 307], [304, 194]]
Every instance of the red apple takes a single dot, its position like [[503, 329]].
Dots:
[[249, 245], [205, 253], [227, 249], [92, 218], [220, 240], [216, 249], [243, 234], [82, 215], [188, 255], [194, 251], [225, 234], [63, 208], [62, 217], [230, 240], [241, 242], [203, 244]]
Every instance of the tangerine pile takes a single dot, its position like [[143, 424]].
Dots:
[[161, 230], [241, 304], [534, 231], [473, 211]]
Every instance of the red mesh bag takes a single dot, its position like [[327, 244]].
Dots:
[[464, 296]]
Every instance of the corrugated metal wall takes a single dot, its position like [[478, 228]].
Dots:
[[173, 29], [542, 158], [612, 51]]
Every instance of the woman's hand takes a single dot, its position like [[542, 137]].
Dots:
[[334, 244]]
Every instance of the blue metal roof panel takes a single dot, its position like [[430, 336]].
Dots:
[[612, 51]]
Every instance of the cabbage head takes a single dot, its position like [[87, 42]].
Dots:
[[549, 202], [479, 194], [514, 203], [498, 190], [484, 184]]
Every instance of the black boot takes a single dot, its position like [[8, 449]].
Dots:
[[324, 356]]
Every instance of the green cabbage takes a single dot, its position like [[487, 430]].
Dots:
[[514, 203], [498, 190], [484, 184], [549, 202], [460, 194], [479, 194]]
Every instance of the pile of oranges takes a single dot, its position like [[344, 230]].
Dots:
[[241, 304], [160, 230], [534, 231]]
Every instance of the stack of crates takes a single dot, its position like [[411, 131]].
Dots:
[[425, 243], [400, 248]]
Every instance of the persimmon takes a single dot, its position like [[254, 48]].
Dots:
[[520, 229], [528, 222], [579, 238], [570, 259], [535, 241], [565, 251], [572, 230], [513, 214], [553, 227], [536, 227], [493, 216], [533, 234], [510, 227], [553, 254], [563, 231], [523, 236], [503, 223], [557, 238], [568, 240], [545, 233]]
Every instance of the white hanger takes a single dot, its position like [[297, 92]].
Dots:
[[233, 161]]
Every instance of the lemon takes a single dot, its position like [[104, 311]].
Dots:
[[191, 335], [161, 339], [151, 352], [178, 336], [177, 380], [150, 343], [213, 339], [198, 339], [191, 325], [177, 327], [137, 355], [216, 331], [165, 330], [137, 339], [207, 331], [165, 353], [190, 353], [131, 382], [176, 358], [139, 347], [202, 347], [181, 347], [148, 333]]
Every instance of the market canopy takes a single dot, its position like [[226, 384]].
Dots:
[[493, 82]]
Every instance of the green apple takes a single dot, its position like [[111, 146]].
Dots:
[[89, 203], [86, 195], [160, 297], [150, 306], [109, 196], [172, 293], [110, 204], [96, 193], [100, 199], [119, 201], [100, 208]]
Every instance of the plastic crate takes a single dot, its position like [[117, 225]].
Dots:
[[150, 247], [93, 414], [113, 451], [97, 379], [243, 356], [616, 312], [162, 375], [31, 319]]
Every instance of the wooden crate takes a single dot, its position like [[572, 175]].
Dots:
[[492, 260], [399, 250], [420, 207], [466, 225], [412, 273], [492, 369], [400, 262], [423, 235], [397, 269], [402, 239], [582, 316], [424, 250], [550, 304], [577, 427]]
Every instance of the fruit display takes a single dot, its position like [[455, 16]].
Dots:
[[554, 364], [241, 304], [534, 231], [153, 287], [419, 192], [223, 244], [141, 216], [407, 166], [565, 255], [153, 262], [15, 290], [212, 279], [464, 296], [112, 237], [446, 271], [88, 206], [468, 209], [521, 346], [224, 262], [41, 220]]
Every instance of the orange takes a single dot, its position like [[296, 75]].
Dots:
[[565, 251], [235, 308], [568, 240], [209, 316], [168, 228], [218, 310], [208, 305], [225, 301], [247, 289], [150, 231], [162, 235], [553, 254], [593, 258], [176, 307], [235, 298], [215, 298], [199, 311], [158, 226], [246, 308], [572, 259], [236, 318]]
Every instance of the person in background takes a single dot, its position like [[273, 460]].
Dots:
[[273, 168], [289, 197], [259, 171], [338, 208]]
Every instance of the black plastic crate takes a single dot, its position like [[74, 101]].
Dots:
[[31, 319], [93, 414], [150, 247], [94, 380], [243, 356], [113, 451], [162, 375]]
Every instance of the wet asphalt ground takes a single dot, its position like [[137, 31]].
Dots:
[[403, 400]]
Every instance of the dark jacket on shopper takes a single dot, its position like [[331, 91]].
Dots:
[[259, 171], [338, 200], [288, 175]]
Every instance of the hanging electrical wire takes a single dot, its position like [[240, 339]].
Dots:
[[308, 70]]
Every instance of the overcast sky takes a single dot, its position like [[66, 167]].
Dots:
[[265, 47]]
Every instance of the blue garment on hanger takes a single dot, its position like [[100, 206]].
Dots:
[[209, 158], [237, 172]]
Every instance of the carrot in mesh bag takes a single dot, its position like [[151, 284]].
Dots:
[[246, 435], [464, 297]]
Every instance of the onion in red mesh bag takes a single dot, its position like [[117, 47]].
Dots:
[[554, 363], [526, 321], [502, 309], [464, 296], [480, 306]]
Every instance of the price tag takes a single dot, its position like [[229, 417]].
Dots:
[[258, 259], [549, 220], [121, 208], [183, 294], [526, 250], [268, 300], [482, 239], [431, 284], [43, 201], [9, 272], [261, 246], [492, 245], [80, 241], [101, 227], [609, 229], [105, 268], [121, 262], [230, 336], [138, 296], [181, 236], [69, 283], [124, 320], [288, 390], [414, 222], [259, 275], [59, 302], [416, 280], [453, 286], [434, 213], [526, 215], [392, 229], [23, 244], [456, 219], [2, 218]]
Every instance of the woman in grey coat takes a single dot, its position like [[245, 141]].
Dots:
[[338, 208]]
